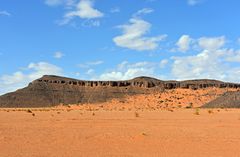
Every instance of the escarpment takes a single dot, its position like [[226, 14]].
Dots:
[[54, 90]]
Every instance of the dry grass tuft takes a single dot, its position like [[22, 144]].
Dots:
[[137, 114], [29, 111], [197, 111], [210, 111]]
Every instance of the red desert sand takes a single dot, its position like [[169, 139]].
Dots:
[[157, 125]]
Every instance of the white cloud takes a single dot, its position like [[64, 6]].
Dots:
[[234, 56], [95, 62], [143, 11], [211, 62], [193, 2], [90, 64], [90, 71], [212, 43], [115, 10], [133, 36], [84, 10], [202, 65], [184, 43], [68, 3], [91, 23], [4, 13], [126, 70], [53, 2], [20, 79], [163, 63], [58, 55]]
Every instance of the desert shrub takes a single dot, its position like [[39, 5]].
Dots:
[[190, 105], [210, 111], [197, 111], [29, 111], [144, 134], [137, 114]]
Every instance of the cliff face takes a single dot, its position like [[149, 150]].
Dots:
[[54, 90]]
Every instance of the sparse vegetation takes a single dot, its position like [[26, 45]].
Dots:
[[144, 134], [190, 105], [210, 111], [197, 111], [29, 111], [137, 114]]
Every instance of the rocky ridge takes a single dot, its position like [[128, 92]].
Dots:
[[54, 90]]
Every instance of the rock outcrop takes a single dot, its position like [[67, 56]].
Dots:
[[54, 90], [227, 100]]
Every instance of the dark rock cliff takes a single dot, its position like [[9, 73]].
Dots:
[[54, 90]]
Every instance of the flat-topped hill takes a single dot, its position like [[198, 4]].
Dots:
[[54, 90]]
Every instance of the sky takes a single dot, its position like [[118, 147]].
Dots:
[[118, 40]]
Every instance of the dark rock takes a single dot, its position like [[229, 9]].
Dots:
[[227, 100]]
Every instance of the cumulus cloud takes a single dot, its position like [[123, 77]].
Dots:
[[213, 43], [234, 56], [20, 79], [211, 62], [58, 55], [133, 35], [126, 70], [84, 10], [184, 43], [5, 13]]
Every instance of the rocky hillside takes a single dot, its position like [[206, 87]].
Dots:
[[227, 100], [54, 90]]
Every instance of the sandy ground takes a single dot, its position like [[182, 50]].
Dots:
[[74, 132]]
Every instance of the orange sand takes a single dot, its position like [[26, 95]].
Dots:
[[135, 127], [78, 133]]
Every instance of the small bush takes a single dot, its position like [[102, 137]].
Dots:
[[210, 111], [29, 111], [197, 111], [144, 134], [190, 105], [137, 114]]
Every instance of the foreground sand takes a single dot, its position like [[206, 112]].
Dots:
[[81, 133]]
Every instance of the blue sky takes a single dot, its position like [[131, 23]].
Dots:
[[116, 40]]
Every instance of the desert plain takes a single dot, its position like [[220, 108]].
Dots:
[[144, 125]]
